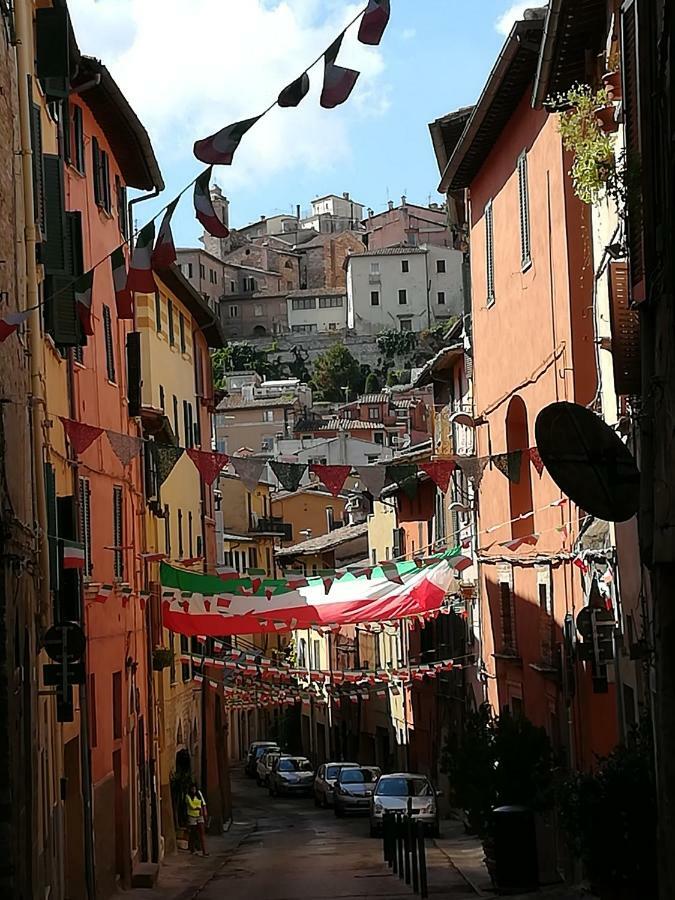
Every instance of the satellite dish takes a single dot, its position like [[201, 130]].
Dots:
[[588, 461]]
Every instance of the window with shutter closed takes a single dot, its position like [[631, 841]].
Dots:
[[180, 534], [172, 337], [52, 526], [134, 374], [190, 536], [625, 324], [54, 251], [187, 423], [175, 419], [507, 614], [53, 34], [60, 315], [78, 140], [489, 254], [118, 531], [38, 171], [85, 523], [181, 332], [524, 204], [109, 345]]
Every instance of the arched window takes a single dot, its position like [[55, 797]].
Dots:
[[520, 492]]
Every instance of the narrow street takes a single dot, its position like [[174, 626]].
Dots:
[[299, 852]]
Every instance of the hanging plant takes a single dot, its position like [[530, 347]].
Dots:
[[582, 112], [162, 657]]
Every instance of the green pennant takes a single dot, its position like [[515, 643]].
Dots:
[[509, 464], [166, 456], [405, 476]]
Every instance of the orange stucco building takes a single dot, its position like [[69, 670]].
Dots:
[[531, 281]]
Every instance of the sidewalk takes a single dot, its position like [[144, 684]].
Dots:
[[182, 876], [465, 853]]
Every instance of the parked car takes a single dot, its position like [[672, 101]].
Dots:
[[354, 788], [255, 751], [264, 766], [394, 793], [291, 775], [324, 783]]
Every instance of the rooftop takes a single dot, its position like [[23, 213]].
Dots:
[[238, 402], [391, 251], [335, 423], [325, 541], [440, 363], [208, 321], [446, 131], [318, 292]]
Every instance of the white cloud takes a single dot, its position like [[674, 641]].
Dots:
[[188, 69], [408, 34], [515, 12]]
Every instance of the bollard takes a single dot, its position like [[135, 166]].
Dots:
[[385, 848], [399, 844], [415, 856], [424, 892], [388, 837], [406, 840], [393, 845]]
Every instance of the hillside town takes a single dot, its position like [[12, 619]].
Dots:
[[339, 544]]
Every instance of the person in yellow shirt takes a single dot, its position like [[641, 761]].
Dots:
[[196, 818]]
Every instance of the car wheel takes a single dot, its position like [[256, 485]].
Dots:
[[435, 830]]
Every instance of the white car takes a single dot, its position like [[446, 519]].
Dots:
[[264, 766], [399, 792], [324, 783]]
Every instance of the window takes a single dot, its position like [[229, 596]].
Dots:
[[85, 522], [202, 271], [413, 238], [122, 212], [187, 423], [233, 287], [77, 152], [93, 731], [268, 415], [167, 531], [330, 302], [101, 176], [185, 673], [304, 303], [78, 355], [402, 297], [249, 284], [190, 554], [441, 298], [181, 332], [180, 534], [405, 266], [374, 268], [289, 285], [118, 532], [374, 413], [109, 348], [117, 705], [507, 614], [373, 557], [440, 266], [169, 310], [374, 298], [332, 326], [524, 202], [158, 311], [304, 329], [330, 518], [406, 324], [257, 310], [175, 419], [212, 276], [187, 269], [172, 664], [489, 254], [520, 482], [234, 312]]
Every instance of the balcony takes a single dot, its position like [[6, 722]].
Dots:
[[274, 525]]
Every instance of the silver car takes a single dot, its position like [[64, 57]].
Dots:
[[291, 775], [403, 791], [264, 766], [354, 788], [324, 783]]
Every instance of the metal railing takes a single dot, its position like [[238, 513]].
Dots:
[[404, 849]]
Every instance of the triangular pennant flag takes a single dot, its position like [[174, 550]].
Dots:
[[327, 584], [124, 446], [124, 299], [536, 461], [164, 253], [391, 572], [373, 478], [338, 82], [10, 322], [295, 92], [219, 148], [333, 477], [79, 434], [166, 456], [439, 472], [472, 466], [140, 279], [83, 290], [374, 22], [209, 464], [249, 469], [405, 476], [509, 464], [204, 208], [289, 474]]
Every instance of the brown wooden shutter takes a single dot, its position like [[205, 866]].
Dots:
[[625, 332]]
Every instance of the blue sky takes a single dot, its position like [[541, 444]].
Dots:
[[190, 68]]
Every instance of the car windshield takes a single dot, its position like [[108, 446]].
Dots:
[[261, 751], [358, 776], [332, 772], [269, 758], [404, 787], [294, 765]]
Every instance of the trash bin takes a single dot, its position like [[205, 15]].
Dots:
[[515, 850]]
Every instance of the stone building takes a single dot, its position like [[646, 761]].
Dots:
[[322, 260], [407, 225]]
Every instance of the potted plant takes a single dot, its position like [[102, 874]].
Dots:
[[612, 77], [162, 657]]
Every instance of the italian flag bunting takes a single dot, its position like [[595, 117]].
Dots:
[[219, 148], [338, 82], [295, 92], [124, 300], [83, 289], [73, 555], [374, 22], [164, 254], [141, 279], [10, 322], [204, 210]]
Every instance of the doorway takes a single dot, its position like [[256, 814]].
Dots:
[[73, 823]]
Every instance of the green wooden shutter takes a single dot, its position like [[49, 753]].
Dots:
[[54, 256], [52, 527], [60, 314], [38, 171], [96, 170], [53, 33]]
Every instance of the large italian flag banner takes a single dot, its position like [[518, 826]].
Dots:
[[195, 604]]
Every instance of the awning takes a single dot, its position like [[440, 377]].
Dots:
[[195, 604]]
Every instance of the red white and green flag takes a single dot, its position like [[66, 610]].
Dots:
[[374, 22], [73, 555], [219, 148], [164, 254], [84, 289], [204, 209], [10, 322], [123, 297], [141, 279], [338, 82]]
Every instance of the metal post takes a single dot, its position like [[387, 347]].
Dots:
[[424, 892], [399, 844], [415, 857], [393, 851], [406, 838]]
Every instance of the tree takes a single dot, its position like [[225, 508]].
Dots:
[[372, 383], [240, 356], [335, 370]]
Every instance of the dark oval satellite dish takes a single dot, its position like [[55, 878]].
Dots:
[[588, 461]]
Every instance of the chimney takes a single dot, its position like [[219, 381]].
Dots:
[[345, 195], [390, 205], [371, 213], [403, 200]]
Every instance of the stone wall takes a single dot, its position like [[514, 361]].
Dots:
[[362, 347]]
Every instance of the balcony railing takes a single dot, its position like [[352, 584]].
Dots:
[[273, 525]]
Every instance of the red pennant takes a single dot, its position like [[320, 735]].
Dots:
[[164, 252], [327, 584], [581, 565], [338, 82], [80, 434], [439, 472], [374, 22], [333, 477], [208, 463], [536, 461], [207, 605]]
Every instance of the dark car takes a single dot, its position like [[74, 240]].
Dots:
[[255, 751], [291, 775], [354, 788]]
